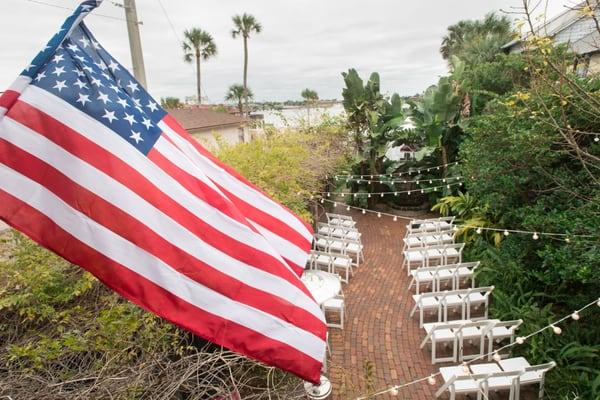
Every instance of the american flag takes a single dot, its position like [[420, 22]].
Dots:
[[92, 168]]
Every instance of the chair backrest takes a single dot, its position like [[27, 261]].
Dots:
[[461, 292], [543, 368], [336, 227], [338, 216], [448, 220]]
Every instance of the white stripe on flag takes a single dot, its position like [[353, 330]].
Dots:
[[122, 197], [139, 261]]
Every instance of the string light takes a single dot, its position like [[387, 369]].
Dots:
[[395, 192], [478, 231], [394, 391], [495, 355], [556, 329], [535, 236], [435, 167], [378, 215], [506, 233], [431, 380], [575, 316]]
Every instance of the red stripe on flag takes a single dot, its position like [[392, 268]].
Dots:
[[173, 124], [152, 297], [8, 98], [103, 160], [136, 232]]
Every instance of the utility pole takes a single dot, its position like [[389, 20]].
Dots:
[[135, 44]]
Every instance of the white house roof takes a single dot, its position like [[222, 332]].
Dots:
[[571, 26]]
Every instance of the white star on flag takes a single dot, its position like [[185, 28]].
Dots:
[[136, 136], [133, 86], [130, 119], [60, 85], [104, 98], [83, 98], [109, 115], [58, 71], [147, 123]]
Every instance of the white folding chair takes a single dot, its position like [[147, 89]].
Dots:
[[435, 276], [339, 219], [457, 381], [335, 305], [442, 224], [337, 231], [427, 239], [530, 374], [428, 256], [502, 330]]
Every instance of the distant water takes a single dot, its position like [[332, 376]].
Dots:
[[292, 116]]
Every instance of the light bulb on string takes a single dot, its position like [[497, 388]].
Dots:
[[348, 208], [422, 191], [448, 186], [430, 181], [322, 201], [597, 139], [556, 329], [343, 195], [506, 233], [575, 316], [369, 195], [431, 380], [328, 194], [567, 239], [395, 193], [409, 192], [598, 303], [381, 194], [394, 391], [444, 180], [496, 357], [364, 211], [395, 218], [520, 340], [478, 231], [417, 182], [378, 215], [381, 182], [535, 236], [335, 204], [465, 368], [312, 197]]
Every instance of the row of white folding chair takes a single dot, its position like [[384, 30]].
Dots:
[[340, 219], [429, 225], [427, 239], [509, 374], [435, 276], [442, 301], [457, 332], [332, 263], [338, 231], [433, 255], [340, 246]]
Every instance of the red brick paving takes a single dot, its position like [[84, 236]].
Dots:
[[378, 330]]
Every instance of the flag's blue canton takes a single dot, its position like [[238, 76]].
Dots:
[[82, 73]]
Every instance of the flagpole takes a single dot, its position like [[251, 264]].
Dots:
[[135, 43]]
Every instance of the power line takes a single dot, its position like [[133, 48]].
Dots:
[[70, 9], [170, 22]]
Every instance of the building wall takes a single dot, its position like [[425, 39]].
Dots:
[[230, 134], [594, 67]]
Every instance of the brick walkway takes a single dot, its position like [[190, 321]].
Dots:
[[378, 332]]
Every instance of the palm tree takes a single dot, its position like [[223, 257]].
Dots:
[[198, 44], [310, 96], [476, 41], [244, 25], [236, 94]]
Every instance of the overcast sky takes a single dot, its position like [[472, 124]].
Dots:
[[304, 43]]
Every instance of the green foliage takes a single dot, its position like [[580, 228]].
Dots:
[[309, 95], [170, 102], [477, 41], [236, 93], [308, 154]]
